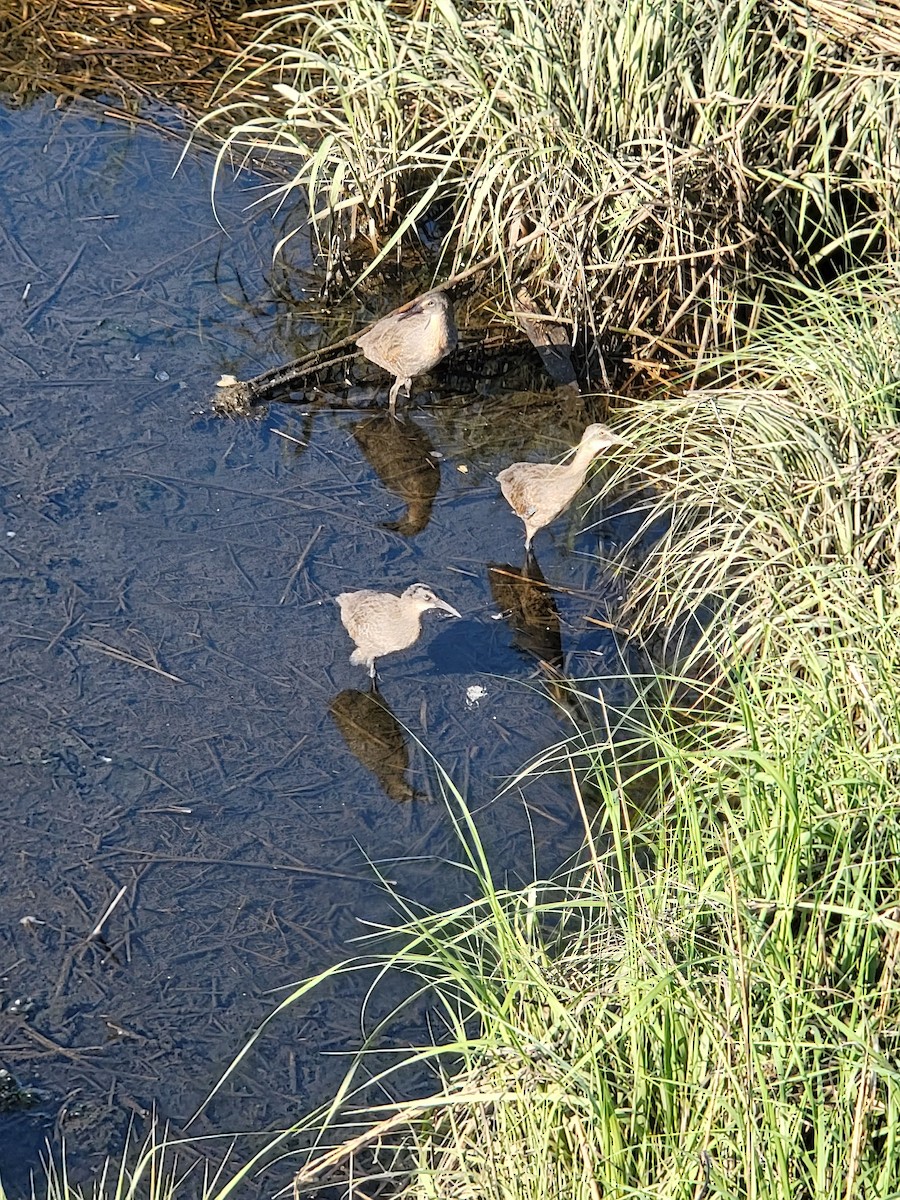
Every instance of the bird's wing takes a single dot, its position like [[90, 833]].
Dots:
[[517, 484]]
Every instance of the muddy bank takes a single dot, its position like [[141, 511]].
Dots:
[[151, 49]]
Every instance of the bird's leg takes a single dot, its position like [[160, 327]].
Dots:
[[392, 399], [373, 681]]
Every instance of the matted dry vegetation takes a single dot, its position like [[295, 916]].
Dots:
[[641, 168], [165, 49]]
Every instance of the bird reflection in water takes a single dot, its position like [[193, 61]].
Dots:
[[376, 738], [528, 606], [402, 456]]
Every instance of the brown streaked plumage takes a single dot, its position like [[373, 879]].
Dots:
[[381, 623], [538, 492], [411, 340]]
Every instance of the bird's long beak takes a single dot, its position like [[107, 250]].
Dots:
[[448, 608], [409, 310]]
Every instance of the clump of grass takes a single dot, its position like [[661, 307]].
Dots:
[[632, 164], [708, 1008], [160, 1167], [779, 487]]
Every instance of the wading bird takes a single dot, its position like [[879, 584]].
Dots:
[[539, 492], [381, 623], [411, 340]]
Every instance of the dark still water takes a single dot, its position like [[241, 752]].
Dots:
[[181, 725]]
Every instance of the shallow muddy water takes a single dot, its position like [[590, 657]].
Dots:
[[180, 718]]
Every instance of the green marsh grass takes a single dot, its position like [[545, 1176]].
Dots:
[[779, 485], [708, 1006], [160, 1167], [708, 1009], [633, 164]]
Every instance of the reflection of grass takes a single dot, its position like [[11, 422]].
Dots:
[[711, 1005], [626, 162]]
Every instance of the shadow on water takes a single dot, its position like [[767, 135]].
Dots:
[[528, 605], [403, 457], [197, 787], [376, 739]]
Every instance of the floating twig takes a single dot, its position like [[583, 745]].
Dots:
[[299, 563], [125, 657], [95, 932]]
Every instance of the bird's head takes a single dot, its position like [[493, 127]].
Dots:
[[598, 438], [431, 304], [423, 598]]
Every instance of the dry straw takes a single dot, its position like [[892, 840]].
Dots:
[[668, 154]]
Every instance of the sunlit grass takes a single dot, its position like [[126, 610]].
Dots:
[[707, 1006], [633, 164], [160, 1167], [779, 485]]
